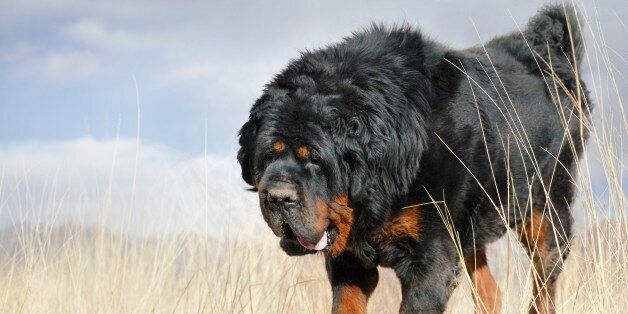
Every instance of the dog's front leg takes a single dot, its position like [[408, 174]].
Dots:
[[428, 279], [351, 283]]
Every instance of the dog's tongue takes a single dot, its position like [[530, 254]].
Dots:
[[322, 243]]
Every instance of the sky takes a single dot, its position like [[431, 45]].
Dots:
[[75, 75], [67, 67]]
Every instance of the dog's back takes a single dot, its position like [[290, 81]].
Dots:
[[528, 95]]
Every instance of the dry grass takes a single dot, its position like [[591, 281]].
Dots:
[[91, 269], [79, 270]]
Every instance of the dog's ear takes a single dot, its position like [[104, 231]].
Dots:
[[248, 135], [357, 176]]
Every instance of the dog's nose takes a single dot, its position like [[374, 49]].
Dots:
[[283, 196]]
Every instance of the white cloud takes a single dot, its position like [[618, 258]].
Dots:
[[31, 60], [222, 79], [85, 180], [69, 65], [114, 9], [98, 34]]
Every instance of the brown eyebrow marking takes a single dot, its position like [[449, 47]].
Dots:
[[342, 200], [279, 146], [303, 152]]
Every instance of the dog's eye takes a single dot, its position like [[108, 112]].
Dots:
[[303, 152], [279, 147]]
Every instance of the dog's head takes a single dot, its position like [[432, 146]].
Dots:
[[334, 131], [292, 154]]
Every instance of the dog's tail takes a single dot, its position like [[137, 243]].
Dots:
[[557, 28], [552, 44], [554, 32]]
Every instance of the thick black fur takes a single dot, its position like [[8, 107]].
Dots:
[[393, 119]]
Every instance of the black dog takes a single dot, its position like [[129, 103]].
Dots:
[[384, 148]]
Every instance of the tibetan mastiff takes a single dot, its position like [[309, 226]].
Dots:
[[390, 149]]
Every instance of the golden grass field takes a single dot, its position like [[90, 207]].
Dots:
[[71, 270], [93, 269]]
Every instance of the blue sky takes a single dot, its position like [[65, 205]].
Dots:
[[67, 70], [67, 67]]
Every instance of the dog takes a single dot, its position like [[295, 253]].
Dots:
[[390, 149]]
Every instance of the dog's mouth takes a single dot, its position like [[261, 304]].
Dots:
[[323, 244]]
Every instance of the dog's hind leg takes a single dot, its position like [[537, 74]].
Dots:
[[486, 292], [547, 230], [546, 242]]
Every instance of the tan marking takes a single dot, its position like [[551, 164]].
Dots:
[[321, 223], [303, 152], [352, 300], [279, 146], [406, 224], [487, 294], [534, 233], [534, 236], [342, 200], [341, 215]]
